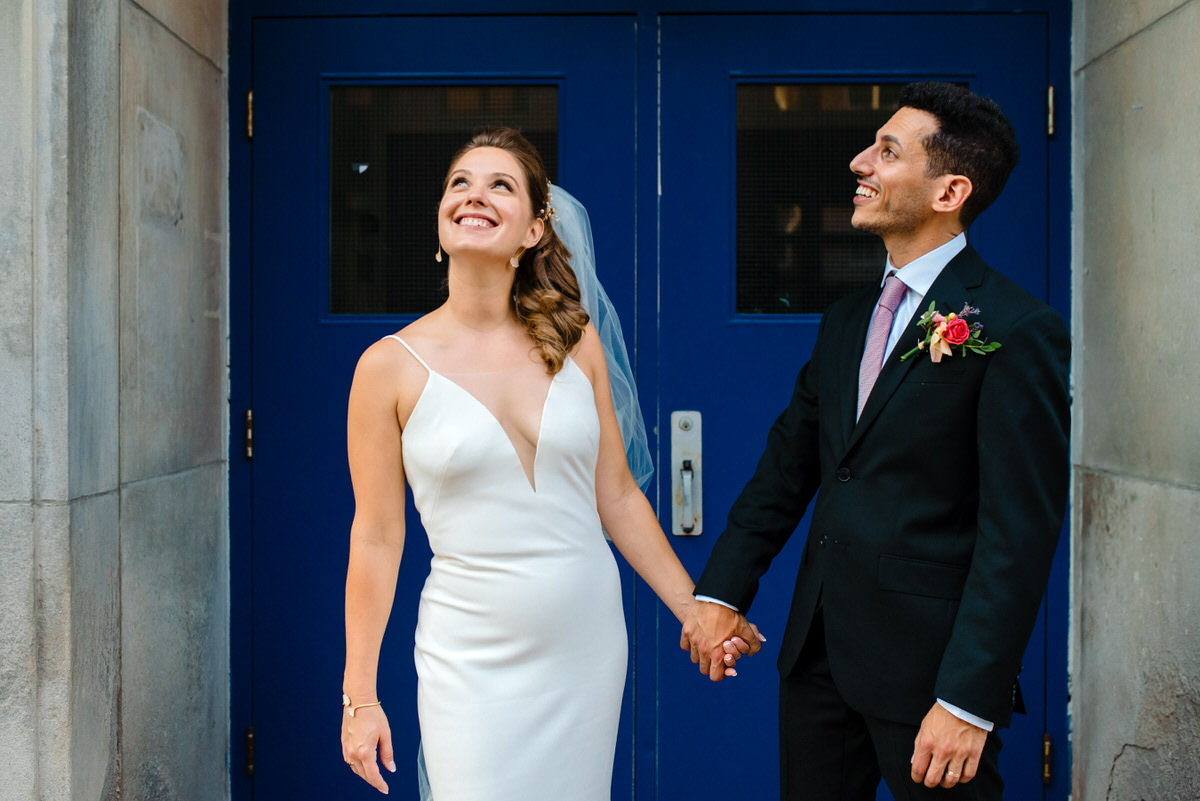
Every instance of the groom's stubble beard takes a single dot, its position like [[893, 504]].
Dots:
[[891, 221]]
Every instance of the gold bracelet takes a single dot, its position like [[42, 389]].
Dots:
[[350, 710]]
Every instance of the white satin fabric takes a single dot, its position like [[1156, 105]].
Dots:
[[520, 642]]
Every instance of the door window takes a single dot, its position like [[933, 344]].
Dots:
[[389, 147], [796, 251]]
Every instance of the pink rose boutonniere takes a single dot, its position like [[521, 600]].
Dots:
[[944, 333]]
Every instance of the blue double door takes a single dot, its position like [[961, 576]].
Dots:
[[648, 135]]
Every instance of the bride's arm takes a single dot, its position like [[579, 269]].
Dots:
[[632, 524], [376, 543], [624, 510]]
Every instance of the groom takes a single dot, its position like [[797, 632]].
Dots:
[[940, 483]]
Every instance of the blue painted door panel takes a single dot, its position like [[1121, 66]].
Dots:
[[738, 370], [303, 358], [694, 351]]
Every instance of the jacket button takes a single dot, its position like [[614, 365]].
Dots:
[[843, 474]]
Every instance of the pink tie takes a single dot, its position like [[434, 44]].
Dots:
[[877, 337]]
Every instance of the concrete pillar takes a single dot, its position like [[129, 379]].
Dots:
[[1135, 641], [93, 392], [113, 422], [34, 513]]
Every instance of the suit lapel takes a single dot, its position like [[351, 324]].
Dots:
[[949, 292]]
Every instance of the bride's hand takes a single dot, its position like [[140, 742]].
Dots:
[[735, 648], [361, 735]]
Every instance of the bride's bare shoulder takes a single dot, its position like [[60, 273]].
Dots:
[[395, 359]]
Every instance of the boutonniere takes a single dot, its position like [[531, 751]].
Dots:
[[944, 333]]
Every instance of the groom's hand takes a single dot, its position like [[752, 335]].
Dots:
[[947, 749], [706, 630]]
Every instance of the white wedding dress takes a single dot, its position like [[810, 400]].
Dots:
[[520, 642]]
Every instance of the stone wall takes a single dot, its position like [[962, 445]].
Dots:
[[113, 505], [35, 624], [1135, 639]]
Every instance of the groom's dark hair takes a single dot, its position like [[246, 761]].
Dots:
[[974, 139]]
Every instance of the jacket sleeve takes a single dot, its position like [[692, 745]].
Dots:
[[1023, 428], [772, 503]]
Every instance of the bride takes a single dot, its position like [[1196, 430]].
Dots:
[[496, 407]]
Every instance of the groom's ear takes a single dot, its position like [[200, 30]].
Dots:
[[952, 193]]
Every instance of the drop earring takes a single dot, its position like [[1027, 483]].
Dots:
[[438, 256], [513, 261]]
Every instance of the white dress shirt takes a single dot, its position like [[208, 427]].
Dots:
[[918, 275]]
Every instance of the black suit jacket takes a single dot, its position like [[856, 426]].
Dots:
[[937, 513]]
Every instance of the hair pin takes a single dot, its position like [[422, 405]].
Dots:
[[548, 211]]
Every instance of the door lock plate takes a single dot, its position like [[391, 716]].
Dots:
[[687, 508]]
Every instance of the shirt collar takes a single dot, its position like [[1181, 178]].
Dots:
[[920, 273]]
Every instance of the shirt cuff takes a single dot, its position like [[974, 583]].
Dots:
[[718, 602], [963, 714]]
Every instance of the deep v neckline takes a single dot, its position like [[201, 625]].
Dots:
[[531, 473]]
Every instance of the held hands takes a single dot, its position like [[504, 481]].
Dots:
[[360, 736], [947, 750], [716, 636]]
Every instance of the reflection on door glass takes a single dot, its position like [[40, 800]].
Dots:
[[389, 148], [796, 251]]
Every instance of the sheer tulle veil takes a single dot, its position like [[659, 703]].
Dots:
[[573, 227]]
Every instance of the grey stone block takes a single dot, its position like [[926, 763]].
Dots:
[[18, 653], [203, 25], [1137, 380], [48, 65], [1102, 24], [1135, 642], [173, 278], [95, 647], [174, 637], [16, 262], [94, 375], [52, 607]]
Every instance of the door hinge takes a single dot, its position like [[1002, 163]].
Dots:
[[250, 751], [1046, 759], [249, 433], [1050, 110], [250, 114]]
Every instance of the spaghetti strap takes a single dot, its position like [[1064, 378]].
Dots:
[[409, 348]]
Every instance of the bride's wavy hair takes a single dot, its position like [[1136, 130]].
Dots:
[[545, 291]]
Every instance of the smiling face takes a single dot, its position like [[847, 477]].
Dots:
[[895, 198], [485, 208]]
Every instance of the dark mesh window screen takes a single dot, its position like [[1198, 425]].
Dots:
[[389, 150], [796, 251]]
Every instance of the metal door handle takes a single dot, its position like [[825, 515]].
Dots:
[[688, 520]]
